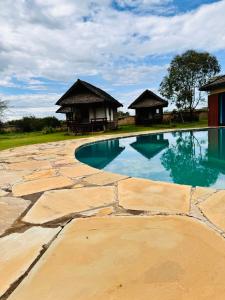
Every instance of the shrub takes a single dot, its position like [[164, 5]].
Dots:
[[47, 130], [51, 122], [28, 124]]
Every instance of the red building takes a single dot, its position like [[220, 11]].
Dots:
[[216, 100]]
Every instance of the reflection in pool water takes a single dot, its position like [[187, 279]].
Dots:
[[196, 158]]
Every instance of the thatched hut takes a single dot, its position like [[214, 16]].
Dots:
[[88, 108], [149, 108]]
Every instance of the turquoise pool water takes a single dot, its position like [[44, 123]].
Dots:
[[195, 157]]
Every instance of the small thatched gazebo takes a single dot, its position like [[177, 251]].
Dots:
[[149, 108], [88, 108]]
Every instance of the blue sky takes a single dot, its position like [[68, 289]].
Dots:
[[122, 46]]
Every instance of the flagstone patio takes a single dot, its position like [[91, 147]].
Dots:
[[69, 231]]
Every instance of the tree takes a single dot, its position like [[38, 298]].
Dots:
[[122, 114], [51, 122], [186, 73], [3, 107]]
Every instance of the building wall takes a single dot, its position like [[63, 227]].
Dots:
[[201, 114], [213, 105], [101, 113], [126, 120]]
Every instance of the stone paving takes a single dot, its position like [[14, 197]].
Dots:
[[69, 231]]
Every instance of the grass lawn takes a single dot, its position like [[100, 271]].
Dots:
[[10, 140]]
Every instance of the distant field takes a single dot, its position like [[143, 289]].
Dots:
[[10, 140]]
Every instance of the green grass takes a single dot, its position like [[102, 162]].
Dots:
[[10, 140], [135, 128]]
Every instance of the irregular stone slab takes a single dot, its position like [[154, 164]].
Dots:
[[8, 178], [53, 205], [16, 159], [40, 185], [104, 178], [160, 257], [30, 165], [141, 194], [3, 193], [214, 209], [10, 210], [40, 174], [200, 193], [77, 186], [2, 166], [47, 157], [99, 212], [78, 170], [19, 250], [63, 162]]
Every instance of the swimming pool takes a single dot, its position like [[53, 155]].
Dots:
[[194, 157]]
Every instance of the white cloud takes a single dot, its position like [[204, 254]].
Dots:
[[30, 104], [65, 39], [74, 47], [131, 75]]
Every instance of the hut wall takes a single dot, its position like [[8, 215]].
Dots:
[[213, 104], [100, 112], [108, 113], [97, 112], [91, 113], [115, 115], [145, 116], [103, 112]]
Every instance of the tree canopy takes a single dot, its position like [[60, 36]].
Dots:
[[186, 73]]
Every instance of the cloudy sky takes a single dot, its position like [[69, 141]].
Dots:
[[122, 46]]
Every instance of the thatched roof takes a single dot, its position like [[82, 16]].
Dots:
[[82, 92], [64, 109], [214, 83], [149, 146], [148, 99]]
